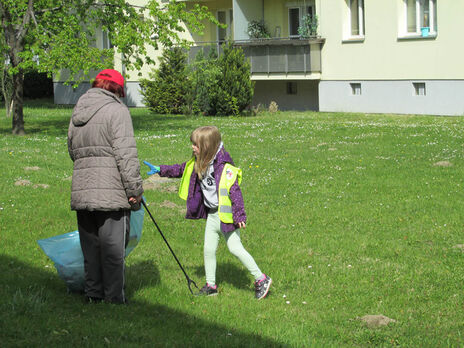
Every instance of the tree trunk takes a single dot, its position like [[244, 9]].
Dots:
[[7, 91], [17, 101]]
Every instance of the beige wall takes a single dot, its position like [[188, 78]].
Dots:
[[382, 55], [275, 15]]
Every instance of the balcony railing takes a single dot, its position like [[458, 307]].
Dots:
[[273, 56]]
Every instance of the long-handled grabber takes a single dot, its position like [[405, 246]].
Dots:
[[189, 281]]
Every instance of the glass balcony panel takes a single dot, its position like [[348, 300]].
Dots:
[[277, 59], [259, 61], [295, 56], [273, 57], [192, 53], [307, 57]]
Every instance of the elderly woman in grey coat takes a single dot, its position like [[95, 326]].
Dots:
[[106, 183]]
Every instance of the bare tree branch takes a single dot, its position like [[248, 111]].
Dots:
[[27, 17]]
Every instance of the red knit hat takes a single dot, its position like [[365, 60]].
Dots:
[[114, 76]]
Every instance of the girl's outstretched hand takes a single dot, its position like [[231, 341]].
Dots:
[[242, 225], [153, 169]]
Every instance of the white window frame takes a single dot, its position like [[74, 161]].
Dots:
[[302, 10], [229, 21], [347, 28], [404, 32]]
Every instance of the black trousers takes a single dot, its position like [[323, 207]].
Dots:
[[104, 236]]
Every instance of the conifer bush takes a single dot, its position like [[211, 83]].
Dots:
[[221, 85], [168, 89], [212, 85], [205, 74], [235, 88]]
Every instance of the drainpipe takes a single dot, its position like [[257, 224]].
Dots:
[[262, 9]]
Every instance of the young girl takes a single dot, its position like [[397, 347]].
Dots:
[[210, 184]]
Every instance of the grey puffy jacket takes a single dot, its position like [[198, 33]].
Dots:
[[102, 146]]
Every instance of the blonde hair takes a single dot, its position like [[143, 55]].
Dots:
[[207, 139]]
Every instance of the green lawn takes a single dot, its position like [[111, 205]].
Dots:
[[350, 214]]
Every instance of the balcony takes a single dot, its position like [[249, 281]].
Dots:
[[275, 58]]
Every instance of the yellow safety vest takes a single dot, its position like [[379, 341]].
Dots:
[[228, 177], [185, 181]]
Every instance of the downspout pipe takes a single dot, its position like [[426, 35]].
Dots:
[[262, 9]]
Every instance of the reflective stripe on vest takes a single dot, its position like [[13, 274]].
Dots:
[[185, 181], [228, 177]]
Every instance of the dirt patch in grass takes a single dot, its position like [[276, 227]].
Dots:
[[156, 182], [459, 246], [23, 182], [375, 321], [443, 164], [169, 204], [45, 186], [34, 168]]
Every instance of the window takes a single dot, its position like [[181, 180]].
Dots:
[[106, 40], [419, 88], [420, 17], [355, 88], [224, 17], [293, 21], [292, 88], [354, 19], [295, 15], [357, 17]]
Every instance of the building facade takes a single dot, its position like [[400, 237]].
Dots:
[[395, 56]]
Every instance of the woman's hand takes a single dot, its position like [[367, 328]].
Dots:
[[242, 224], [135, 200]]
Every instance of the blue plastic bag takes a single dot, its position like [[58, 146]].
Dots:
[[66, 253]]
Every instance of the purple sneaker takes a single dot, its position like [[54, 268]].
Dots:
[[262, 287], [208, 290]]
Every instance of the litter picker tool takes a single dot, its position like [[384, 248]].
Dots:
[[189, 281]]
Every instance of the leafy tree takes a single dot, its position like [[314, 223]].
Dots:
[[167, 91], [6, 81], [57, 35]]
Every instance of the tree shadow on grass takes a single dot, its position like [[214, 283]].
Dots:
[[140, 275], [36, 310], [229, 273], [57, 125]]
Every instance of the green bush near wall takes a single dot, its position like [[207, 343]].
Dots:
[[166, 92], [212, 85]]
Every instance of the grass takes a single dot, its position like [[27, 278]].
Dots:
[[350, 214]]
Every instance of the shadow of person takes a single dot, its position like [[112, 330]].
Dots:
[[141, 274], [228, 273], [35, 310]]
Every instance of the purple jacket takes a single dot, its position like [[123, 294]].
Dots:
[[196, 208]]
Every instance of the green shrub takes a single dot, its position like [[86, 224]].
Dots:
[[210, 86], [308, 26], [235, 87], [221, 85], [169, 87], [257, 30], [205, 74]]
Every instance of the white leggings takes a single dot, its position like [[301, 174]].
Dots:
[[212, 235]]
